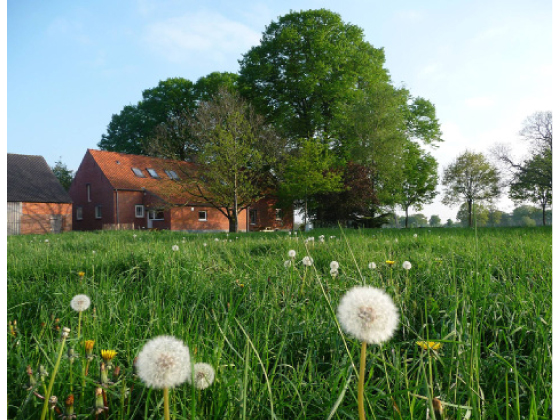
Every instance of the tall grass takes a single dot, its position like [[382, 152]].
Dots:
[[270, 331]]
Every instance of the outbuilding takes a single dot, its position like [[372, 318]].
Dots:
[[37, 202]]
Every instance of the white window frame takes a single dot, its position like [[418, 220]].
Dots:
[[98, 212], [139, 211], [152, 214], [79, 213], [278, 215], [205, 216]]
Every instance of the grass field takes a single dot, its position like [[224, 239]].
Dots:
[[271, 331]]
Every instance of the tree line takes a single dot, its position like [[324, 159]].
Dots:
[[313, 116]]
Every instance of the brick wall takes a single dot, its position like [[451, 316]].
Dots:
[[101, 194], [39, 218], [187, 218], [266, 215]]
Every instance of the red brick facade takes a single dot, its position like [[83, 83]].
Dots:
[[105, 181], [40, 218]]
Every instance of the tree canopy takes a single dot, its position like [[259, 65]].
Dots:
[[468, 179]]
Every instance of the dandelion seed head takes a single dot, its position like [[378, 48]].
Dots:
[[368, 314], [80, 303], [292, 253], [175, 248], [372, 265], [164, 362], [415, 235], [288, 263], [203, 375], [307, 261], [334, 265], [334, 272], [407, 265]]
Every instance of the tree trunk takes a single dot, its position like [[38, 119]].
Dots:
[[544, 214], [233, 223], [406, 217], [469, 210]]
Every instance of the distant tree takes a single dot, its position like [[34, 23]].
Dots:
[[468, 179], [418, 220], [519, 214], [480, 216], [494, 216], [207, 86], [63, 174], [435, 221], [531, 179], [419, 179], [449, 223]]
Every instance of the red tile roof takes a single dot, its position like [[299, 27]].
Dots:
[[117, 167]]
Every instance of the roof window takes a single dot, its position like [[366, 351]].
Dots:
[[172, 174], [138, 172], [152, 173]]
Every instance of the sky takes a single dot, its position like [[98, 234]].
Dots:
[[486, 65]]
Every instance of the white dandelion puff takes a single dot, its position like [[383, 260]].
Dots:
[[216, 240], [415, 235], [46, 241], [80, 303], [203, 375], [407, 265], [175, 248], [164, 362], [307, 261], [334, 272], [368, 314], [334, 265], [372, 266], [292, 253], [205, 244], [288, 263]]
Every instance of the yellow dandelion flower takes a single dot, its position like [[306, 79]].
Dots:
[[81, 274], [390, 263], [89, 345], [433, 345], [108, 355]]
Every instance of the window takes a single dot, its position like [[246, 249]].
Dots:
[[155, 214], [79, 213], [98, 212], [88, 192], [152, 173], [139, 210], [138, 173], [202, 216], [172, 174], [279, 214], [253, 217]]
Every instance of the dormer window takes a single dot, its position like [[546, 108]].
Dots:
[[138, 173], [152, 173]]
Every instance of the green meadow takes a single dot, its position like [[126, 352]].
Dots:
[[482, 298]]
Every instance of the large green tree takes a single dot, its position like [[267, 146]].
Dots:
[[306, 68], [170, 103], [419, 180], [468, 179], [63, 174]]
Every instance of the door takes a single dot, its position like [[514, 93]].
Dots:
[[14, 218], [56, 223]]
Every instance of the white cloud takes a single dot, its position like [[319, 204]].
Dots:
[[480, 102], [185, 37]]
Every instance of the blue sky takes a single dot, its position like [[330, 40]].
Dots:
[[486, 65]]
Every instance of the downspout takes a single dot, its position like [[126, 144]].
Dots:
[[117, 202]]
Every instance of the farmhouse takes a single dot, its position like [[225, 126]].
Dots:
[[119, 191], [37, 203]]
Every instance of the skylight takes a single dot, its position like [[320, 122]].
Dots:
[[172, 174], [152, 173], [138, 172]]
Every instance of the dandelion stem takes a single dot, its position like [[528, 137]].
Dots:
[[79, 323], [51, 383], [361, 411], [166, 403]]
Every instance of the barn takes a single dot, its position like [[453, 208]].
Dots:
[[37, 203]]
